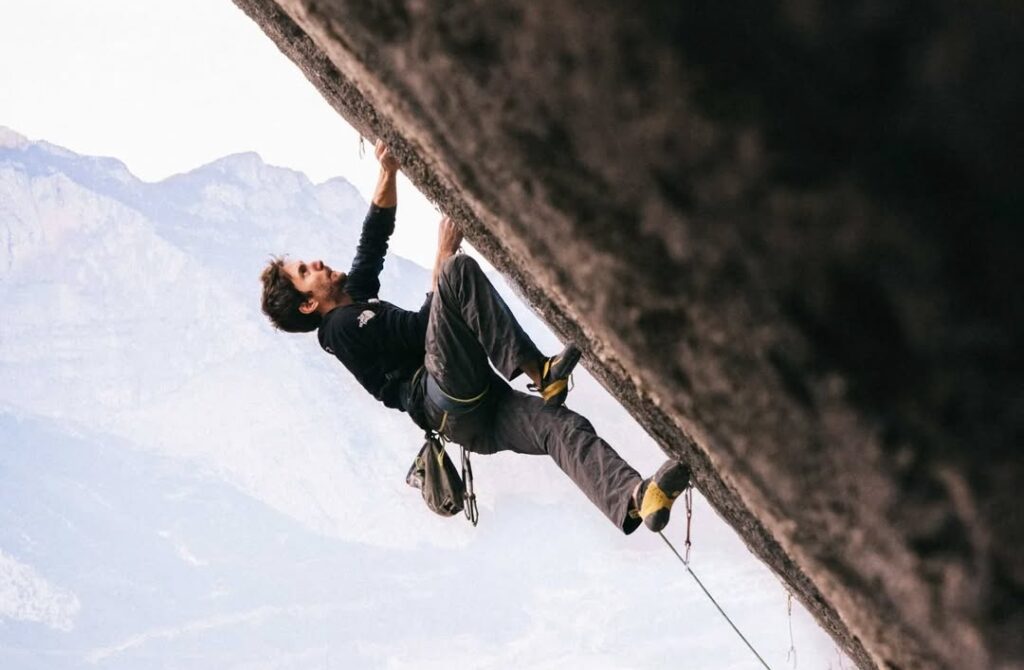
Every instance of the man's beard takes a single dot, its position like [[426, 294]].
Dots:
[[338, 287]]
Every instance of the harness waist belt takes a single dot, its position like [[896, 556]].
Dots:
[[450, 404]]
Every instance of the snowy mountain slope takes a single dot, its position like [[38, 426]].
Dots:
[[156, 565], [133, 560], [27, 596]]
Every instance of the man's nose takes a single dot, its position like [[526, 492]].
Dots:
[[318, 265]]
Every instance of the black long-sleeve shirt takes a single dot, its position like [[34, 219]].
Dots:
[[379, 343]]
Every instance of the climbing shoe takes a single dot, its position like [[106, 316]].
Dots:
[[656, 494], [554, 376]]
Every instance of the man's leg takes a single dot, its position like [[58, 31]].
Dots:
[[522, 423], [469, 328], [469, 325]]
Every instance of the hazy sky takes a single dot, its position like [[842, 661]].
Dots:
[[168, 86]]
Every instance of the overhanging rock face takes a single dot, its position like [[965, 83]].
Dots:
[[787, 236]]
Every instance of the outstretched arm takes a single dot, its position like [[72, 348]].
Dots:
[[449, 237], [363, 282]]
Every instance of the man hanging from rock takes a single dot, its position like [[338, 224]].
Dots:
[[407, 359]]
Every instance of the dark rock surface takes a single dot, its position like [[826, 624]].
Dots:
[[786, 234]]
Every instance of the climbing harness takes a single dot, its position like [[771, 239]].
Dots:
[[686, 564], [452, 406]]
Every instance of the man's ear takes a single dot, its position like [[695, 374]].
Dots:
[[309, 306]]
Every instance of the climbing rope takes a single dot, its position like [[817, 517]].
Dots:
[[686, 564], [839, 657], [792, 645]]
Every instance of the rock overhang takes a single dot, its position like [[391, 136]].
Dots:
[[786, 237]]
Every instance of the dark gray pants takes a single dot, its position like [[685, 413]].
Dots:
[[470, 326]]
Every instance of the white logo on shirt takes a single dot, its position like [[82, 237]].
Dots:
[[366, 316]]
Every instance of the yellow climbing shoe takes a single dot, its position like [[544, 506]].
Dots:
[[554, 376], [656, 494]]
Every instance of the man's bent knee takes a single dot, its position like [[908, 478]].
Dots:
[[458, 263], [455, 269]]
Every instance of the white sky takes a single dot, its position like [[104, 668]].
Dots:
[[168, 86]]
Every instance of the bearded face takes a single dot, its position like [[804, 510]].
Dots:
[[317, 280]]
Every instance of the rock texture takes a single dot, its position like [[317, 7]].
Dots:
[[787, 236]]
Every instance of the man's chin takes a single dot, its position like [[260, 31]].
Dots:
[[338, 288]]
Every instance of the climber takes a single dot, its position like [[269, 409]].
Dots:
[[434, 363]]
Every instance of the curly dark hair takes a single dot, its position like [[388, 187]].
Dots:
[[281, 300]]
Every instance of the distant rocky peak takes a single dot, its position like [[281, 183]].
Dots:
[[249, 169], [11, 140]]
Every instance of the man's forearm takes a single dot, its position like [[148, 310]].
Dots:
[[386, 193], [442, 256], [449, 237]]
